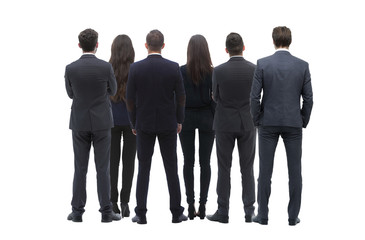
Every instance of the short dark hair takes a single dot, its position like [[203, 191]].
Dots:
[[234, 44], [155, 40], [88, 39], [281, 36]]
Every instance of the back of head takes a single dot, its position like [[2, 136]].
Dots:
[[281, 37], [199, 62], [88, 40], [234, 44], [155, 40]]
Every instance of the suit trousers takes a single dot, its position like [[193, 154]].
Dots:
[[145, 148], [203, 121], [268, 139], [225, 142], [128, 159], [82, 141]]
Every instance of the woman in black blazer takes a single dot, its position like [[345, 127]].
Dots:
[[122, 55], [199, 113]]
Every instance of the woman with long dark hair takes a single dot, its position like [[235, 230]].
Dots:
[[122, 56], [199, 113]]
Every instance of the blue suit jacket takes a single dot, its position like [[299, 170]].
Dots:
[[155, 94], [283, 79], [89, 82]]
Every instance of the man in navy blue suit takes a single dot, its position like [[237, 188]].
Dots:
[[156, 105], [284, 80], [89, 83]]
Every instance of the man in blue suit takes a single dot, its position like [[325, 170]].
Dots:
[[156, 105], [89, 83], [284, 80]]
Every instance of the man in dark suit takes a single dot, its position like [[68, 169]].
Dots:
[[283, 79], [89, 82], [156, 105], [232, 121]]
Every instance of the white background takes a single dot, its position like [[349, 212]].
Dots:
[[39, 38]]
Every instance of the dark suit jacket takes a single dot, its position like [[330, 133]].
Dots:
[[155, 94], [89, 82], [283, 79], [232, 83]]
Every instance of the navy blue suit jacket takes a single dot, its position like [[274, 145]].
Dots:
[[155, 94], [232, 83], [283, 79], [90, 82]]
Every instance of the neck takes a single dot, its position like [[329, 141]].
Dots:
[[276, 48]]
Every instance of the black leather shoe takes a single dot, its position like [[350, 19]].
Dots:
[[139, 220], [248, 218], [74, 217], [125, 209], [191, 211], [201, 211], [179, 219], [259, 220], [216, 217], [109, 217], [293, 222], [115, 207]]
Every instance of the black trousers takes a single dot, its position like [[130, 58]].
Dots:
[[81, 144], [203, 121], [128, 159], [268, 139], [145, 147], [225, 142]]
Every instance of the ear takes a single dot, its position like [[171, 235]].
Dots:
[[243, 49], [226, 50], [146, 46], [163, 45], [79, 45], [97, 45]]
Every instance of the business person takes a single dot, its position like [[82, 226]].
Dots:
[[233, 121], [199, 113], [284, 80], [156, 103], [122, 55], [89, 82]]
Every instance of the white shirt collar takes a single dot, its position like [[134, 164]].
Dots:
[[154, 54], [88, 53], [282, 49], [236, 56]]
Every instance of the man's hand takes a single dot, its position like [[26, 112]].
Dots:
[[179, 127], [134, 131]]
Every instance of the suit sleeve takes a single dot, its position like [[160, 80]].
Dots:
[[112, 83], [180, 98], [307, 96], [131, 98], [215, 86], [256, 95], [68, 86]]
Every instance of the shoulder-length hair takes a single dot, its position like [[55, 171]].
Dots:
[[199, 62], [122, 56]]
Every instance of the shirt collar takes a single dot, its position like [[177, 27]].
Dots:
[[282, 49]]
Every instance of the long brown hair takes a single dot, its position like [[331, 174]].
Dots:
[[122, 56], [199, 62]]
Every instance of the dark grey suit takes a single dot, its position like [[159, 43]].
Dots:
[[283, 79], [89, 82], [232, 121]]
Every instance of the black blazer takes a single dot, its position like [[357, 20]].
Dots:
[[89, 82], [155, 94], [232, 83], [284, 79]]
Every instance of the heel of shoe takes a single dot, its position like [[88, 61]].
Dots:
[[201, 212], [191, 211]]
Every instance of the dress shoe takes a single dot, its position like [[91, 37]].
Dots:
[[201, 211], [259, 220], [293, 222], [109, 217], [248, 218], [216, 217], [115, 207], [179, 219], [74, 217], [139, 220], [125, 209], [191, 211]]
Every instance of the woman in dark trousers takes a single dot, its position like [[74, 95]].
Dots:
[[122, 55], [199, 113]]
